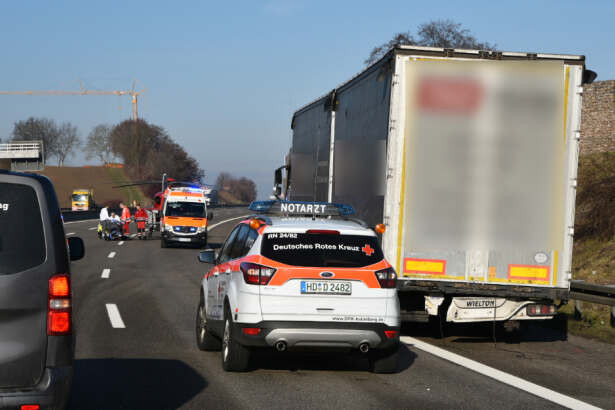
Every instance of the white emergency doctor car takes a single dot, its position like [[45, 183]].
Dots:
[[299, 275]]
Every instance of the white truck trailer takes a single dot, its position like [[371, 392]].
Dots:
[[470, 160]]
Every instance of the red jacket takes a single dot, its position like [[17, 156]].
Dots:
[[126, 215], [141, 217]]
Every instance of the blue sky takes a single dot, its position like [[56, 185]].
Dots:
[[224, 77]]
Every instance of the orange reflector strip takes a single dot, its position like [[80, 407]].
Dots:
[[529, 272], [429, 266]]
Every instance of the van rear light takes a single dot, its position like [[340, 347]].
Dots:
[[251, 331], [59, 309], [540, 310], [387, 278], [58, 323], [255, 274], [59, 286], [323, 231]]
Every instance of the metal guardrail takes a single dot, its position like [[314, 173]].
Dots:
[[592, 293]]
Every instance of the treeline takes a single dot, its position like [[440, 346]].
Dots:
[[146, 150], [243, 189], [60, 141]]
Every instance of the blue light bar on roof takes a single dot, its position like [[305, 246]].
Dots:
[[301, 208]]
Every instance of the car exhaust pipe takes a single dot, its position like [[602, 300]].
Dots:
[[280, 346], [364, 347]]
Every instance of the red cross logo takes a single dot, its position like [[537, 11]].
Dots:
[[367, 250]]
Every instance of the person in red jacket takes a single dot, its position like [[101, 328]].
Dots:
[[141, 218], [125, 219]]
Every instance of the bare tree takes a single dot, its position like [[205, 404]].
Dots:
[[243, 189], [436, 33], [38, 129], [98, 144], [67, 142]]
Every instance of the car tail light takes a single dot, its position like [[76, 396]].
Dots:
[[387, 278], [30, 407], [390, 333], [251, 331], [323, 231], [59, 307], [255, 274], [540, 310]]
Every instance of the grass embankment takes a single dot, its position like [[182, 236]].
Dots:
[[101, 179], [118, 177], [594, 247]]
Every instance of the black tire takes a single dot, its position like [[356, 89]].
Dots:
[[384, 361], [235, 357], [205, 340], [164, 243]]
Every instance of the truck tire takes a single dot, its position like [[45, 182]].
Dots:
[[205, 340], [384, 361], [235, 357]]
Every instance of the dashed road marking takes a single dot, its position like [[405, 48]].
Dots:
[[70, 233], [114, 316], [499, 375], [225, 221], [105, 273], [92, 228], [120, 243], [112, 255], [133, 235]]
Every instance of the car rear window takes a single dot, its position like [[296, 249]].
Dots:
[[22, 242], [321, 250]]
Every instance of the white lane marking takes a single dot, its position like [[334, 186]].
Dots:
[[133, 235], [105, 273], [112, 255], [70, 233], [120, 243], [499, 375], [92, 228], [77, 222], [225, 221], [114, 316]]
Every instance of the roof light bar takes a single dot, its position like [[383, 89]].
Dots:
[[301, 208]]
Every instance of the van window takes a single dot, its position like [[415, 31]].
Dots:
[[22, 241]]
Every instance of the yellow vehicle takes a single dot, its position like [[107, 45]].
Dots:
[[82, 200]]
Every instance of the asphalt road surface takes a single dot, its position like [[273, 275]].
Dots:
[[135, 307]]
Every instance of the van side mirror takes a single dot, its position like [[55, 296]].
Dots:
[[207, 256], [76, 248], [277, 182]]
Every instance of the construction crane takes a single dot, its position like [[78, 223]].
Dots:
[[134, 94]]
